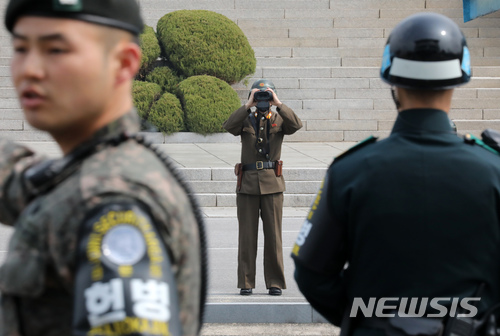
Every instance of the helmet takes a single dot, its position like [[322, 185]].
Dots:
[[426, 51], [262, 84]]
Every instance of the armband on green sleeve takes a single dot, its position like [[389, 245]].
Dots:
[[124, 281]]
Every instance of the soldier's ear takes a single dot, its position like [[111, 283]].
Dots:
[[128, 58]]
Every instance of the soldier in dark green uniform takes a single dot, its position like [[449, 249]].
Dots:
[[415, 215], [261, 184], [107, 240]]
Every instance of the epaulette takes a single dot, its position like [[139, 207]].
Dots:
[[473, 140], [361, 144]]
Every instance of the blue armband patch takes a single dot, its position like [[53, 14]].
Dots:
[[124, 283]]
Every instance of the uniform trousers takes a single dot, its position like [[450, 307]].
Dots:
[[270, 209]]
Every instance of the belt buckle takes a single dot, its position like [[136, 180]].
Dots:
[[259, 165]]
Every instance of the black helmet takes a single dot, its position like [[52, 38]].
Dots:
[[426, 51], [123, 14], [263, 84]]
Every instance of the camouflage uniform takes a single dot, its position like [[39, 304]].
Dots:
[[38, 276]]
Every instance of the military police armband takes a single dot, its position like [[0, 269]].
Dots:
[[124, 284]]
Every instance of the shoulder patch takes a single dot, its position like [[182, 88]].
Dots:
[[371, 139], [473, 140], [124, 279]]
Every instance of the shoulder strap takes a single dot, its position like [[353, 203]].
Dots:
[[46, 175], [169, 164], [473, 140], [371, 139]]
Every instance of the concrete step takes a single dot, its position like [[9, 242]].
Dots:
[[293, 42], [227, 174], [267, 329], [323, 22], [302, 62], [483, 103], [229, 200], [11, 114], [265, 311], [484, 48], [10, 103], [216, 187], [316, 57], [353, 83], [224, 187], [8, 92]]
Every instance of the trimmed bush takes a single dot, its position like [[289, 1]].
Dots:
[[144, 95], [150, 50], [207, 102], [166, 114], [164, 77], [201, 42]]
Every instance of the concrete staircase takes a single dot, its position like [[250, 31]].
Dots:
[[215, 187], [323, 56]]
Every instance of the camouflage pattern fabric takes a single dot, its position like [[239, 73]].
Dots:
[[37, 277]]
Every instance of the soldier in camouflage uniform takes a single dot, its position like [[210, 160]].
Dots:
[[107, 240]]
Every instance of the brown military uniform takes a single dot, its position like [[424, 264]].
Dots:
[[38, 276], [261, 191]]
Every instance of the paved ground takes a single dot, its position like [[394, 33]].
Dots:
[[269, 329], [204, 155], [225, 303]]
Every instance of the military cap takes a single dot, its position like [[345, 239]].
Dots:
[[121, 14]]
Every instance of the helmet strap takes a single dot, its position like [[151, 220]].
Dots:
[[395, 98]]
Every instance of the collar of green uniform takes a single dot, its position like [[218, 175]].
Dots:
[[422, 120], [128, 123]]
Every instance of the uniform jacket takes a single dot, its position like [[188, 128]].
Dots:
[[283, 122], [415, 215], [38, 273]]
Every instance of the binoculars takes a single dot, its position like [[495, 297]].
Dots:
[[263, 98]]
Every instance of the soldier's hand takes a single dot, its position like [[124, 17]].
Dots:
[[275, 101], [251, 101]]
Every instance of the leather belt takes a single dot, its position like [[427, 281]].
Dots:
[[259, 165]]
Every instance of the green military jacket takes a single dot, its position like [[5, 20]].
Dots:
[[281, 123], [38, 275], [415, 215]]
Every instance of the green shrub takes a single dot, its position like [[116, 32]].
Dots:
[[164, 77], [207, 102], [201, 42], [144, 95], [150, 50], [166, 114]]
